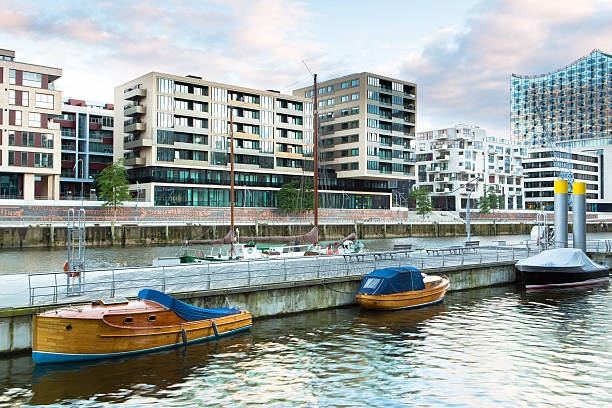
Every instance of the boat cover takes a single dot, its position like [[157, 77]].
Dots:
[[186, 311], [561, 258], [392, 280]]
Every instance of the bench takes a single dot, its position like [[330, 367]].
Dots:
[[472, 245], [453, 250], [399, 247]]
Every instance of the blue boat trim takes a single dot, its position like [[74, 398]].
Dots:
[[43, 357]]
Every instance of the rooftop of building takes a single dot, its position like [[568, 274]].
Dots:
[[534, 76], [197, 80], [9, 55], [90, 106], [352, 76]]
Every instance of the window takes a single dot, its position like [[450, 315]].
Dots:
[[355, 82], [12, 76], [345, 85], [345, 98], [25, 99], [354, 96], [330, 102], [165, 85], [12, 97], [44, 101], [11, 157], [32, 79], [321, 91], [24, 158], [18, 118]]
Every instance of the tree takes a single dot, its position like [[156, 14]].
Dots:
[[289, 197], [293, 197], [422, 200], [484, 204], [112, 185]]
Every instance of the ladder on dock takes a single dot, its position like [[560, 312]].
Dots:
[[75, 264]]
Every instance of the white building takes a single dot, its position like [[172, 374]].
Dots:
[[542, 169], [448, 158]]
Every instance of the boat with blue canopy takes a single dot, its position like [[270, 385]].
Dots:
[[120, 327], [400, 288]]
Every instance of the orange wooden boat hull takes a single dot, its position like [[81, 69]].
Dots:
[[64, 335], [432, 294]]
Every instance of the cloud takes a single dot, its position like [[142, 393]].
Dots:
[[464, 76]]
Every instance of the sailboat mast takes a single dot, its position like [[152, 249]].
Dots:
[[316, 155], [232, 175]]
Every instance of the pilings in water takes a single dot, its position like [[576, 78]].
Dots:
[[579, 215], [561, 213]]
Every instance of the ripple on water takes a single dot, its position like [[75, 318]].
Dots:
[[490, 347]]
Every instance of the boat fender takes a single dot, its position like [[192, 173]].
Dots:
[[214, 326], [184, 336]]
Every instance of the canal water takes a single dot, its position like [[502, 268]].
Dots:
[[43, 260], [493, 347]]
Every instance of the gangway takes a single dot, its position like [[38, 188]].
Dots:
[[75, 263]]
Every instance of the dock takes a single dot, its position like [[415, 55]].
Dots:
[[264, 287]]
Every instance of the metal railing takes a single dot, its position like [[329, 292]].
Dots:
[[48, 288]]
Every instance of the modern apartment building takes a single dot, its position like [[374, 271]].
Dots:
[[367, 128], [542, 168], [173, 132], [447, 159], [29, 139], [87, 145]]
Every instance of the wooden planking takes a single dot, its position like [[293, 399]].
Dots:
[[94, 336]]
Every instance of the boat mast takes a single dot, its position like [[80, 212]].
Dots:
[[232, 176], [316, 156]]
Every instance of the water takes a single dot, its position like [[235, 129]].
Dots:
[[486, 347], [42, 259]]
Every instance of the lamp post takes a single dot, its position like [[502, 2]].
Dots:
[[470, 186]]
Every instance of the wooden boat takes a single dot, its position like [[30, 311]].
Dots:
[[118, 327], [561, 267], [401, 288]]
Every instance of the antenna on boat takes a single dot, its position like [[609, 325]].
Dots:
[[232, 177], [316, 149]]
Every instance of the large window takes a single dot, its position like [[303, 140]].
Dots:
[[44, 101], [34, 119], [12, 76], [32, 79]]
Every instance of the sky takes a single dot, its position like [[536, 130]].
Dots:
[[460, 53]]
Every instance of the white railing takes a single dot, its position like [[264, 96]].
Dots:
[[47, 288]]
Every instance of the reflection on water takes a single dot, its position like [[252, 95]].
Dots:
[[487, 347], [42, 260]]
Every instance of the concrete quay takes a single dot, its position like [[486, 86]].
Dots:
[[268, 292]]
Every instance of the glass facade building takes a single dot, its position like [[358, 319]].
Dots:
[[570, 105]]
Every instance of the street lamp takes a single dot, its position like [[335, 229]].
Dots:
[[470, 186]]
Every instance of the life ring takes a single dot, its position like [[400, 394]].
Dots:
[[70, 274]]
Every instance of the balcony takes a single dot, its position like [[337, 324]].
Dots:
[[134, 93], [53, 126], [137, 143], [134, 127], [135, 161], [443, 157], [133, 110]]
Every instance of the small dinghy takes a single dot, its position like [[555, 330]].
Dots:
[[561, 267], [400, 288], [119, 327]]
